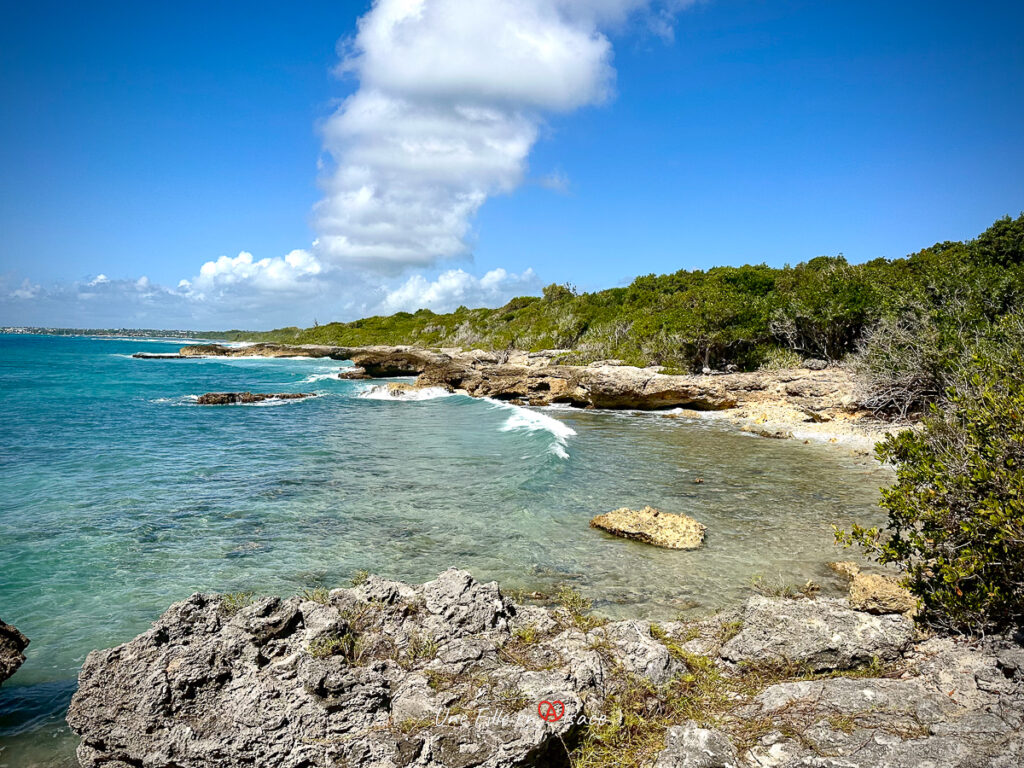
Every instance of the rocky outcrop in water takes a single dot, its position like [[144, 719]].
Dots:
[[158, 356], [12, 650], [537, 378], [354, 373], [652, 526], [384, 363], [452, 673], [265, 349], [598, 387], [245, 398]]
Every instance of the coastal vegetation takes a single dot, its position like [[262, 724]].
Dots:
[[903, 319]]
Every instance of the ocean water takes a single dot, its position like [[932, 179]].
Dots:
[[119, 495]]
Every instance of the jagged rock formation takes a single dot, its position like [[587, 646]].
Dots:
[[236, 398], [382, 362], [452, 673], [652, 526], [599, 387], [12, 650]]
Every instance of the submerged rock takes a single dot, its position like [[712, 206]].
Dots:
[[235, 398], [12, 650], [651, 526]]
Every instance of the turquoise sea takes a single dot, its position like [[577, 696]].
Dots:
[[119, 495]]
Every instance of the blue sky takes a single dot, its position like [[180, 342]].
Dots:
[[444, 166]]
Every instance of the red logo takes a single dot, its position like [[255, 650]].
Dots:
[[550, 711]]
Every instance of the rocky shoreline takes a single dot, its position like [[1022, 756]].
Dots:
[[815, 402], [455, 673]]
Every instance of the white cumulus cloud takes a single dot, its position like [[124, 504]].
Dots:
[[451, 96], [294, 272], [456, 287]]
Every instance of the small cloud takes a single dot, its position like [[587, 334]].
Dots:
[[556, 181], [27, 290], [456, 287], [99, 280]]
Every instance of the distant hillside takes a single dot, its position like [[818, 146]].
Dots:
[[749, 316]]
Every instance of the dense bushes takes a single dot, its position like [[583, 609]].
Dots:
[[750, 316], [956, 511]]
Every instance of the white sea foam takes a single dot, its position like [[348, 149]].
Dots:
[[526, 420], [381, 392], [180, 400], [314, 377]]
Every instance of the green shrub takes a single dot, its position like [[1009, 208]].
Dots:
[[956, 512], [233, 602]]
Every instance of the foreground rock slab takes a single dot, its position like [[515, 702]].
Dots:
[[12, 650], [821, 634], [453, 674], [384, 674], [244, 398], [651, 526]]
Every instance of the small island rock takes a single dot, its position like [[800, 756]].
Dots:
[[651, 526], [236, 398]]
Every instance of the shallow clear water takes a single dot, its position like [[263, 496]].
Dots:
[[119, 496]]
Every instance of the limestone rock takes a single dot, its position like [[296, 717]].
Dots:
[[845, 568], [651, 526], [265, 349], [12, 650], [875, 593], [814, 364], [382, 675], [823, 634], [396, 361], [356, 372], [689, 746], [236, 398], [935, 718]]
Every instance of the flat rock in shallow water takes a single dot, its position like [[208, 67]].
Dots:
[[651, 526], [12, 650], [236, 398]]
